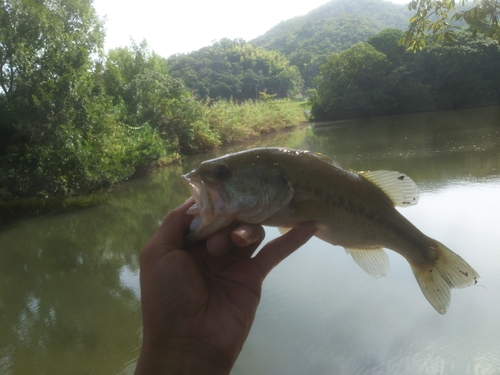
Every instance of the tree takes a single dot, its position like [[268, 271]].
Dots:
[[48, 49], [364, 81], [438, 18], [386, 42], [351, 84], [311, 45], [59, 131], [234, 69], [146, 95]]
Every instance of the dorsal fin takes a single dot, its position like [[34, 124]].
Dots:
[[400, 188]]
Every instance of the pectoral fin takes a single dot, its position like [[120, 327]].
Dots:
[[284, 230], [306, 224], [374, 261]]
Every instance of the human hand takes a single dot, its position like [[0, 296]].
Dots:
[[199, 300]]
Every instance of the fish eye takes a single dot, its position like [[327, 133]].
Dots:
[[222, 172]]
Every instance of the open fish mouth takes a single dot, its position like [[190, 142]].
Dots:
[[203, 206], [209, 210]]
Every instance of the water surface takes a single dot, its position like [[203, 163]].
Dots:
[[69, 294]]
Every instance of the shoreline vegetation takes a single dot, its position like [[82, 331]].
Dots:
[[75, 119], [221, 123]]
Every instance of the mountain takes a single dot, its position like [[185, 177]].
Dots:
[[287, 57], [308, 41], [383, 13]]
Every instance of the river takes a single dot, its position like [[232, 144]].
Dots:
[[69, 292]]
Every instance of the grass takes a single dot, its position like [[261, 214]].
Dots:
[[231, 122]]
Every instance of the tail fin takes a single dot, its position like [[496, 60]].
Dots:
[[449, 271]]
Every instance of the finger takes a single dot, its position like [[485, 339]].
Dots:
[[234, 236], [247, 234], [170, 234], [280, 248], [247, 239]]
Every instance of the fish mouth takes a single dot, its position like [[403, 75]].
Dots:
[[209, 210], [203, 203]]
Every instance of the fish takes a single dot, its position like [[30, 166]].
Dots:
[[289, 188]]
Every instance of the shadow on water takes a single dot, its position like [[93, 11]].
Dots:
[[15, 211]]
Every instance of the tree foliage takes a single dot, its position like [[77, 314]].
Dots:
[[310, 46], [438, 18], [146, 95], [379, 78], [236, 69], [73, 119], [382, 13], [69, 123], [351, 80], [48, 49], [309, 40]]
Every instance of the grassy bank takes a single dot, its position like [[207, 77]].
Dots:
[[227, 122], [119, 153]]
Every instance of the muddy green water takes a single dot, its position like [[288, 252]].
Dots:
[[69, 293]]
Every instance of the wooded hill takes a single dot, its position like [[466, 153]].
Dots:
[[344, 56], [306, 42]]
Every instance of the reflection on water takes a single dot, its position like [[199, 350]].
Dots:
[[69, 283], [321, 314]]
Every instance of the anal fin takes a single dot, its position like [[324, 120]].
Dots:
[[373, 261]]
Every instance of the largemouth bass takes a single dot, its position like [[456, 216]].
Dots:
[[286, 188]]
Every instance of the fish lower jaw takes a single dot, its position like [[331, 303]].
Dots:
[[202, 227], [195, 223]]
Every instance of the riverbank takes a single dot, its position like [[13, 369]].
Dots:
[[223, 122], [218, 124]]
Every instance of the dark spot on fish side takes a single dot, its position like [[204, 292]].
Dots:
[[402, 177], [430, 270], [466, 274]]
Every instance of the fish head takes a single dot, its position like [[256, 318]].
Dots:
[[240, 186]]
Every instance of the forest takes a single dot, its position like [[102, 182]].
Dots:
[[380, 78], [74, 119]]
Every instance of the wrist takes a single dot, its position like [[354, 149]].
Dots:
[[181, 359]]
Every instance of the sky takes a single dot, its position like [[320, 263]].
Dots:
[[182, 26]]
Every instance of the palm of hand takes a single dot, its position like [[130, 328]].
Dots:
[[194, 300]]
